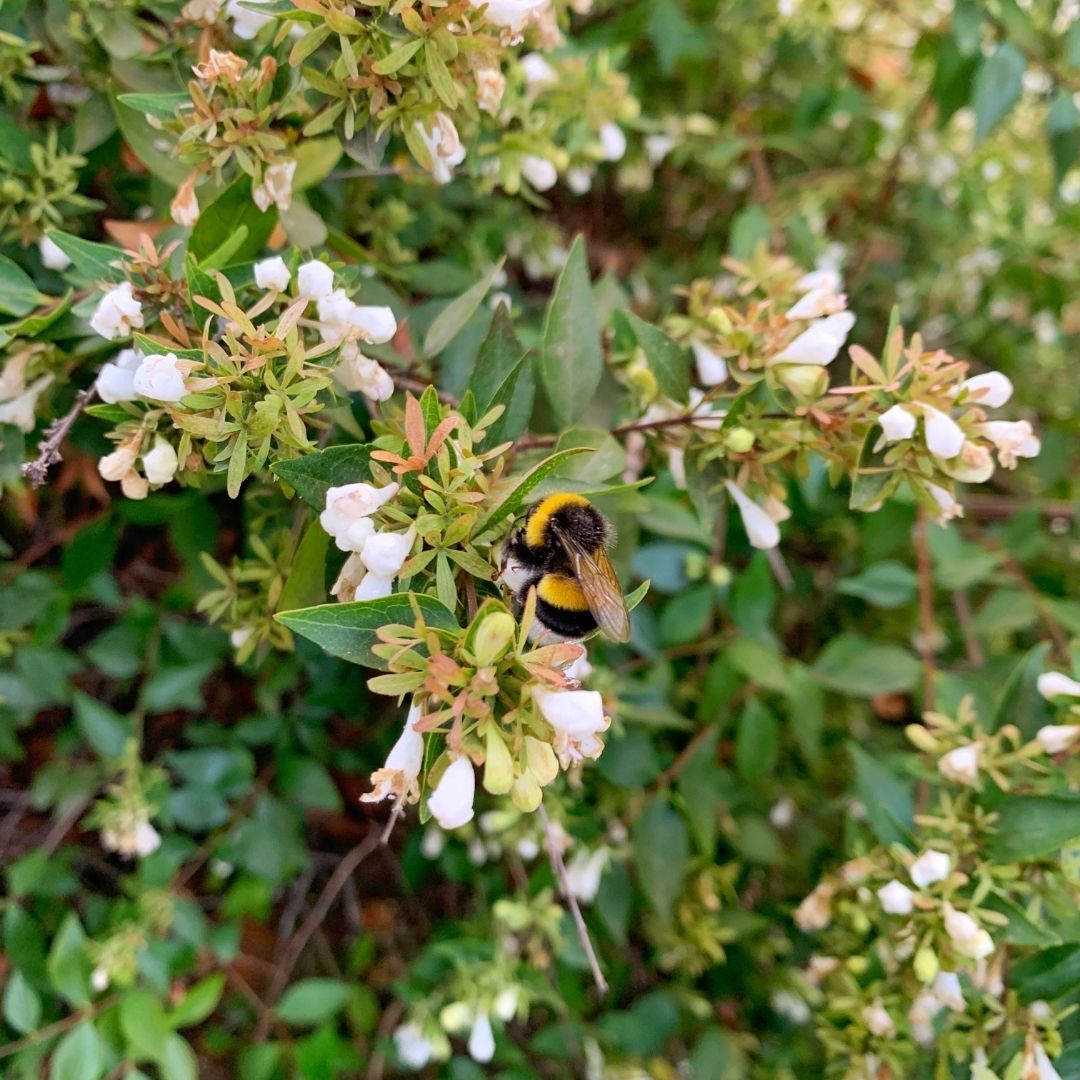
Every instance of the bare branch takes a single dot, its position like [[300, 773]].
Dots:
[[37, 471]]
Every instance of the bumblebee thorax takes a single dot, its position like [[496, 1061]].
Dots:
[[573, 514]]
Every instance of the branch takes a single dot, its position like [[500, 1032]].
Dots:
[[558, 868], [37, 471], [926, 608]]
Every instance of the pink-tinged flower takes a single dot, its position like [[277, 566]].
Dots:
[[815, 912], [1037, 1065], [120, 462], [349, 579], [897, 423], [896, 898], [117, 313], [273, 274], [349, 505], [973, 465], [944, 436], [577, 717], [451, 803], [116, 379], [160, 378], [399, 778], [948, 507], [1013, 439], [490, 86], [1057, 738], [276, 186], [961, 765], [819, 342], [711, 369], [442, 144], [930, 867], [184, 209], [822, 299], [991, 390], [761, 530], [1053, 684], [877, 1019]]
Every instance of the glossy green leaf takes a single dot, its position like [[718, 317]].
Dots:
[[312, 475], [661, 847], [450, 321]]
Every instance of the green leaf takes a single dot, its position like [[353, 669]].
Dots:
[[886, 584], [450, 321], [22, 1006], [142, 1020], [176, 1060], [313, 474], [571, 359], [668, 360], [890, 809], [1048, 974], [348, 630], [306, 584], [311, 1001], [18, 293], [80, 1055], [1032, 826], [998, 85], [536, 476], [661, 846], [1063, 131], [757, 741], [498, 364], [145, 143], [230, 211], [398, 58], [68, 964], [874, 480], [851, 664], [1020, 702], [163, 106], [102, 727]]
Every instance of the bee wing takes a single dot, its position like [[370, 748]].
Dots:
[[599, 583]]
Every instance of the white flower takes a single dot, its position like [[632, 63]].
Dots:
[[822, 278], [432, 842], [358, 373], [1038, 1066], [443, 146], [577, 717], [583, 873], [490, 86], [509, 14], [273, 274], [348, 509], [579, 180], [147, 839], [340, 318], [315, 280], [896, 898], [967, 936], [205, 11], [400, 776], [819, 343], [506, 1004], [946, 988], [782, 813], [119, 463], [540, 172], [877, 1019], [134, 486], [822, 299], [349, 579], [130, 833], [789, 1005], [159, 378], [944, 436], [921, 1017], [412, 1047], [374, 587], [116, 379], [537, 71], [760, 528], [239, 637], [993, 389], [897, 423], [482, 1039], [99, 979], [612, 142], [815, 912], [52, 255], [246, 23], [451, 803], [385, 553], [931, 866], [276, 186], [658, 146], [117, 313], [711, 369], [20, 410], [973, 465], [161, 463], [579, 669], [947, 504], [184, 209], [1013, 440], [961, 765], [1056, 738], [1052, 684]]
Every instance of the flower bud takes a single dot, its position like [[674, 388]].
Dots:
[[498, 764], [493, 637], [525, 793], [926, 965], [540, 760], [455, 1016], [739, 440], [118, 464], [643, 381], [805, 382]]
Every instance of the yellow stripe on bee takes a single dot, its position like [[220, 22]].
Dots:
[[562, 592], [537, 527]]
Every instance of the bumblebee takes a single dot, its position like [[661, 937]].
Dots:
[[561, 550]]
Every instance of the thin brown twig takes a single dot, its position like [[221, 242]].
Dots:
[[926, 607], [37, 471], [972, 645], [391, 1015], [558, 868]]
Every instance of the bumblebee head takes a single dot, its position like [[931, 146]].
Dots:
[[572, 514]]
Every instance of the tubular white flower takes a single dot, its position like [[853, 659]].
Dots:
[[1013, 439], [374, 323], [584, 871], [612, 142], [349, 504], [820, 300], [506, 1004], [161, 463], [117, 313], [944, 436], [1057, 738], [482, 1039], [967, 936], [711, 369], [577, 717], [399, 778], [52, 255], [947, 505], [385, 552], [946, 988], [348, 580], [184, 209], [658, 146], [119, 463], [819, 343], [961, 765], [991, 390], [159, 378], [897, 423], [99, 979], [358, 373], [412, 1047], [822, 278], [374, 587], [512, 15], [116, 379], [537, 72], [490, 87], [20, 410], [896, 898], [276, 186], [134, 486], [1040, 1062], [761, 530], [246, 23], [315, 280], [443, 146], [272, 274], [930, 867], [451, 803], [1053, 684], [540, 172]]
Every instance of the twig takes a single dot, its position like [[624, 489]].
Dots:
[[972, 645], [64, 825], [558, 868], [315, 917], [37, 471], [926, 607], [58, 1027], [780, 569], [391, 1015], [397, 812]]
